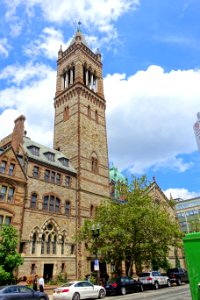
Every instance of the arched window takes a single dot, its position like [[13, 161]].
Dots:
[[89, 112], [54, 243], [67, 208], [96, 117], [49, 244], [95, 165], [91, 210], [42, 244], [34, 243], [51, 203], [62, 245], [66, 113], [33, 200]]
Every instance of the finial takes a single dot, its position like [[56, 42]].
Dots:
[[79, 26], [154, 178]]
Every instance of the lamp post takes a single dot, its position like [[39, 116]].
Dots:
[[95, 235]]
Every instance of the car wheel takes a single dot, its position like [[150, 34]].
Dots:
[[156, 286], [178, 281], [141, 288], [168, 283], [123, 290], [102, 294], [76, 296]]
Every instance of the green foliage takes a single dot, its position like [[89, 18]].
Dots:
[[9, 258], [136, 231]]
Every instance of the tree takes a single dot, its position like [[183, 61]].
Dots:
[[9, 258], [136, 231]]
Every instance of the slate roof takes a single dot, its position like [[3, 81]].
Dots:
[[43, 159]]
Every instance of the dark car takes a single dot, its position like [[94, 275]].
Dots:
[[177, 275], [122, 285], [19, 292]]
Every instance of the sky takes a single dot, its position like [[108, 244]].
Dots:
[[151, 68]]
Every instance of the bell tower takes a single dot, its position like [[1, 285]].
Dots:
[[80, 126]]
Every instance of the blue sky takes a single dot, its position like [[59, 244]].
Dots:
[[151, 67]]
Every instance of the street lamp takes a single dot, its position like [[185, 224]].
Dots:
[[95, 235]]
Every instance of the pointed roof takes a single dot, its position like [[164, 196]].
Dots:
[[78, 37]]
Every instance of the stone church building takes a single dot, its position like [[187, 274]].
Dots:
[[47, 193]]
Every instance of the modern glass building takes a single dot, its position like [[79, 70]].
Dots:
[[188, 214]]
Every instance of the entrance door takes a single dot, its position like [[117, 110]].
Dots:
[[48, 271]]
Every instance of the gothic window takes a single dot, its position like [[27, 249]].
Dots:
[[89, 112], [91, 211], [62, 245], [3, 166], [35, 171], [49, 245], [96, 117], [66, 113], [42, 244], [62, 267], [11, 169], [72, 249], [68, 181], [94, 165], [67, 208], [33, 243], [54, 243], [33, 200]]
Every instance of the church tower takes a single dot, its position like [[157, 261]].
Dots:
[[80, 126]]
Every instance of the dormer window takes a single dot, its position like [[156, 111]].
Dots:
[[50, 156], [34, 150], [64, 161]]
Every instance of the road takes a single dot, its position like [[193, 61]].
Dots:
[[172, 293]]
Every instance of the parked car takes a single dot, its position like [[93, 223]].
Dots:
[[76, 290], [15, 292], [154, 279], [177, 275], [123, 285]]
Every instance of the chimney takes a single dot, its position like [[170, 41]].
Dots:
[[18, 133]]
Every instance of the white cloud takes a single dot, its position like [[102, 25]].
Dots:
[[32, 96], [150, 115], [4, 47], [48, 44], [180, 193], [150, 118], [95, 15]]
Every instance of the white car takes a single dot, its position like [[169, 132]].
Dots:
[[76, 290], [154, 279]]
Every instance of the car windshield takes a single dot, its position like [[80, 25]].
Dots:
[[144, 274]]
